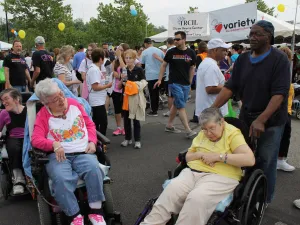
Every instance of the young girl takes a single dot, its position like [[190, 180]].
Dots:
[[117, 94], [97, 90], [134, 73]]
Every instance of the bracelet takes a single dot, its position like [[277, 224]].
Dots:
[[226, 156], [55, 150]]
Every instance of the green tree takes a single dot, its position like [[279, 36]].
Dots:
[[262, 6], [40, 17], [115, 24], [192, 9]]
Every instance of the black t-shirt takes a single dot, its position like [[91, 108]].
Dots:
[[17, 67], [44, 60], [256, 83], [136, 74], [180, 62]]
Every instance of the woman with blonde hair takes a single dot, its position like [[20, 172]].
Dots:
[[62, 71]]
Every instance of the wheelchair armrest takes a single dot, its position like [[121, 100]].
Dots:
[[104, 140], [181, 156], [39, 156]]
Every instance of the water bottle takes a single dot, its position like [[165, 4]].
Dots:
[[106, 79], [124, 72]]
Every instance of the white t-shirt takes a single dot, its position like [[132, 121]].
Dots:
[[84, 65], [72, 131], [208, 74], [94, 75], [28, 62]]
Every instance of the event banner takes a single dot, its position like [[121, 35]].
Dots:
[[194, 25], [233, 23]]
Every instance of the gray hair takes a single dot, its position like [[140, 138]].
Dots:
[[46, 88], [64, 52], [210, 115]]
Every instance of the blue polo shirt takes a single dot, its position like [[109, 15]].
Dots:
[[78, 57]]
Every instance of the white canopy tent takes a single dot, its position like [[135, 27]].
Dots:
[[5, 46], [282, 28]]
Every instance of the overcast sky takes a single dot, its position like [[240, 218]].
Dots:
[[159, 10]]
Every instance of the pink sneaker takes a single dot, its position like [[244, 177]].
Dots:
[[97, 219], [117, 132], [78, 220], [123, 131]]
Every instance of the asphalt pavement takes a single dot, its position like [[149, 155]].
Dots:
[[138, 175]]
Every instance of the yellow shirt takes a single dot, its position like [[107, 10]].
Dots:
[[231, 139], [290, 99]]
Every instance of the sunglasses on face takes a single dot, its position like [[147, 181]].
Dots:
[[256, 34], [177, 39]]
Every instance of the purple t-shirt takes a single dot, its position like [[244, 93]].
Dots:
[[17, 132]]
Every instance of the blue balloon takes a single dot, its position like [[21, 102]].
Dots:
[[133, 12]]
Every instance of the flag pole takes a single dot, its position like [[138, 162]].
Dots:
[[294, 36]]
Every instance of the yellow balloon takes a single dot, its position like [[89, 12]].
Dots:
[[281, 8], [61, 26], [22, 34]]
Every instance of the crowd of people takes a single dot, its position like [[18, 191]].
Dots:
[[258, 80]]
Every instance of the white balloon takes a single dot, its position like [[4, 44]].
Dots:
[[132, 7]]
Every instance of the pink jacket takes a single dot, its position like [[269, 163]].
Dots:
[[41, 127]]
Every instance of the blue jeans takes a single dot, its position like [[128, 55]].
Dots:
[[266, 156], [180, 94], [64, 176], [20, 88]]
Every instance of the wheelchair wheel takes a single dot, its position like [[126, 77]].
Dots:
[[44, 211], [298, 114], [5, 185], [254, 199], [109, 203]]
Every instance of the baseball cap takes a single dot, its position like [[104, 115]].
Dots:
[[217, 43], [163, 47], [268, 27], [39, 40], [148, 41], [80, 47]]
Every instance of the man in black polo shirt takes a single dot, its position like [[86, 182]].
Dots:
[[42, 62], [262, 79], [15, 68]]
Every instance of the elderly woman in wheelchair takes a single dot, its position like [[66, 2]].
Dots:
[[13, 117], [64, 130], [214, 170]]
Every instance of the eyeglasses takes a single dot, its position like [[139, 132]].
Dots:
[[177, 39], [256, 34], [57, 98], [211, 129], [90, 50]]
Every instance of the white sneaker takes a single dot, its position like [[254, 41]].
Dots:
[[18, 189], [97, 219], [191, 134], [297, 203], [167, 114], [283, 165], [125, 143], [137, 145], [78, 220]]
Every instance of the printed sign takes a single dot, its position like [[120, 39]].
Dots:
[[194, 25], [233, 23]]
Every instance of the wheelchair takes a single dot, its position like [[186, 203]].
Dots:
[[245, 206], [6, 173], [49, 212]]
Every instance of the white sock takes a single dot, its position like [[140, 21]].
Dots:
[[95, 205]]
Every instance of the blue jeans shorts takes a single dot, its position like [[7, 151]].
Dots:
[[20, 88], [180, 94]]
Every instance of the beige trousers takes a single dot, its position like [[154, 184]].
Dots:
[[192, 195]]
